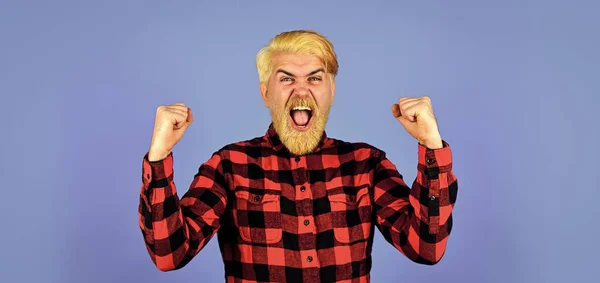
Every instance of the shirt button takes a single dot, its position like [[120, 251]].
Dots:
[[432, 198], [297, 159], [257, 198], [309, 259], [430, 161], [302, 189], [306, 222]]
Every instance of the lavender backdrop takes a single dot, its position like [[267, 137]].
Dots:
[[513, 83]]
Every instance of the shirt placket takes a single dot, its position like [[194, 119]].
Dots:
[[305, 211]]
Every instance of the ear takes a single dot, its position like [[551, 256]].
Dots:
[[332, 88], [263, 93]]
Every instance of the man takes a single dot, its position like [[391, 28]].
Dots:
[[295, 205]]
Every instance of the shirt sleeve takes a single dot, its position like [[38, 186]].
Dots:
[[174, 229], [418, 220]]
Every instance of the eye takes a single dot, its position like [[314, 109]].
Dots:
[[285, 79], [315, 79]]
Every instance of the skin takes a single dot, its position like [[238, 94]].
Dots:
[[417, 118], [169, 126]]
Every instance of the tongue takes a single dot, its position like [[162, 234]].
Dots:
[[300, 117]]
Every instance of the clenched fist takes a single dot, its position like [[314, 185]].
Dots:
[[170, 124], [416, 115]]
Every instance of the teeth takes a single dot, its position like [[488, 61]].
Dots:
[[301, 108]]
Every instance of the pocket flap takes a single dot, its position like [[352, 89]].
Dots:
[[257, 198], [351, 197]]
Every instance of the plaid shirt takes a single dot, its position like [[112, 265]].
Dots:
[[284, 218]]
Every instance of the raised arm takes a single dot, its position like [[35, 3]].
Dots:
[[174, 229]]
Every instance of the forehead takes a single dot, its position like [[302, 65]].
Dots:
[[302, 63]]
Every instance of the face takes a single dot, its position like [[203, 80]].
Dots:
[[299, 95]]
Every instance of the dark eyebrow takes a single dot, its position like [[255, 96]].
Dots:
[[285, 72], [292, 75], [316, 71]]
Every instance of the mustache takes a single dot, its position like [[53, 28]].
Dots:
[[302, 102]]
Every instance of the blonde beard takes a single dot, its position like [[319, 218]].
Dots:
[[297, 142]]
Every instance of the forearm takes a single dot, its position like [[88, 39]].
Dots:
[[164, 228], [415, 229], [418, 221], [174, 229], [411, 236], [435, 188]]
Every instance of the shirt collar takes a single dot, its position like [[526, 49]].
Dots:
[[273, 139]]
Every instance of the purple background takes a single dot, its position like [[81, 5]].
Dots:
[[513, 84]]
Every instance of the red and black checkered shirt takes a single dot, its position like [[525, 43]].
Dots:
[[285, 218]]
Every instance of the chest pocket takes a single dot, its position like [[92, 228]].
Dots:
[[257, 215], [351, 214]]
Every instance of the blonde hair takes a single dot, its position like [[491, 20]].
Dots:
[[296, 42]]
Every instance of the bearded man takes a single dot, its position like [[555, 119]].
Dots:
[[295, 205]]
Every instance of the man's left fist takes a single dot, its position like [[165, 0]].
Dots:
[[416, 115]]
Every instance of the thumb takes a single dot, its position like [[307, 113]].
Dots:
[[190, 117], [406, 123], [396, 110], [398, 115], [188, 121], [182, 125]]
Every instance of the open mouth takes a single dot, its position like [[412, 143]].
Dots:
[[301, 117]]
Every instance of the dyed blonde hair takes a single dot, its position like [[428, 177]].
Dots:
[[296, 42]]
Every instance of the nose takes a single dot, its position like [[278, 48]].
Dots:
[[302, 89]]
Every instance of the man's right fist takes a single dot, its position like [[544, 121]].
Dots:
[[170, 124]]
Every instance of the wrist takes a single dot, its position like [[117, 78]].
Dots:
[[433, 143], [157, 155]]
